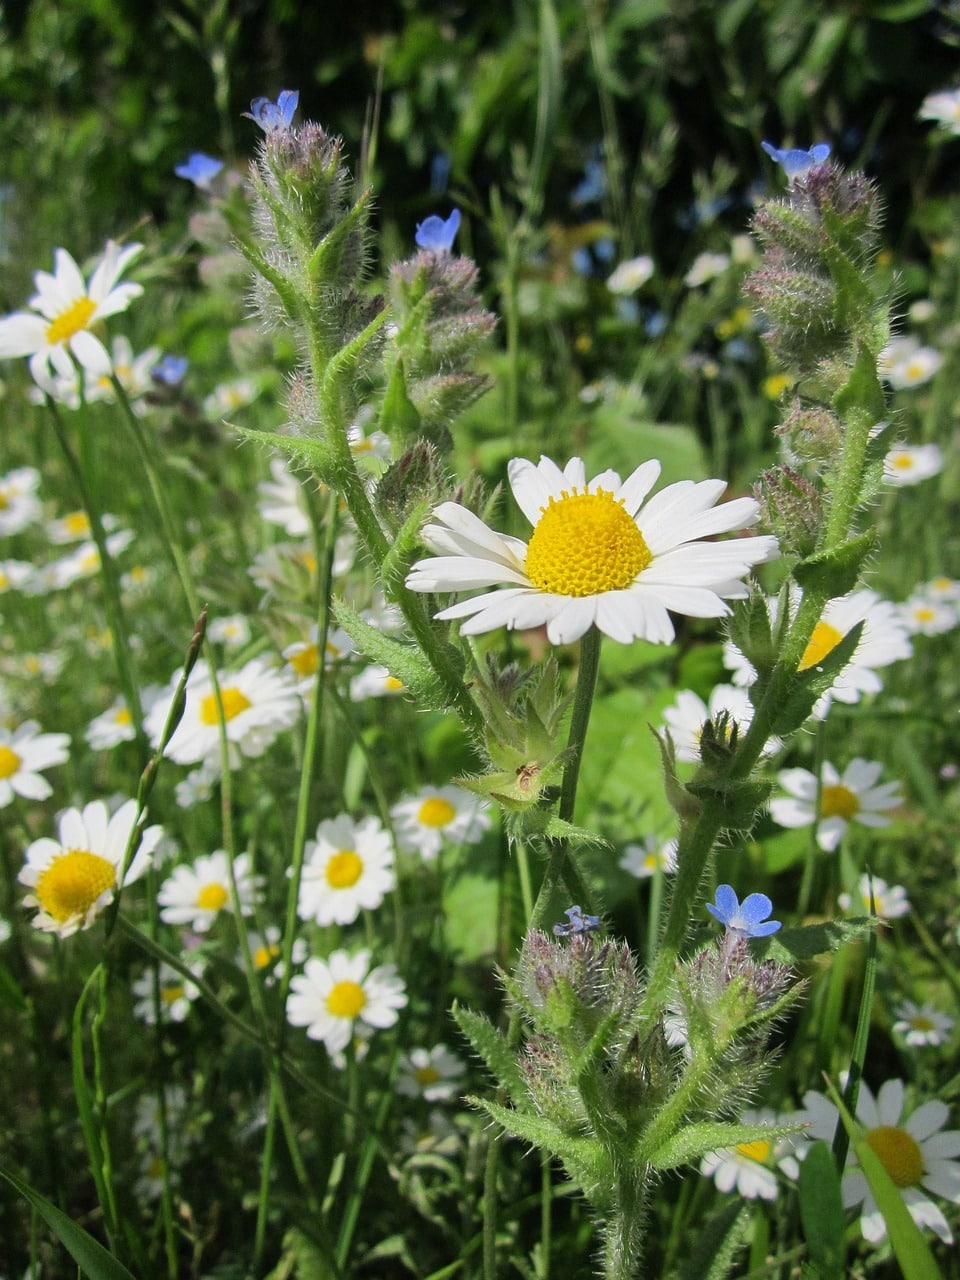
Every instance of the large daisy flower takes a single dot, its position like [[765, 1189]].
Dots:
[[24, 752], [333, 995], [597, 555], [74, 877], [63, 311], [348, 869], [914, 1149]]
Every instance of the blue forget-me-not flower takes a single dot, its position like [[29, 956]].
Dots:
[[438, 234], [797, 163], [199, 169], [170, 370], [272, 116], [747, 918], [578, 923]]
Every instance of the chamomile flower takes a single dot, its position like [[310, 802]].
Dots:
[[629, 276], [436, 1074], [687, 715], [852, 796], [437, 815], [347, 869], [266, 949], [196, 893], [874, 896], [749, 1167], [72, 878], [24, 752], [14, 574], [303, 656], [883, 640], [374, 681], [63, 311], [232, 630], [19, 504], [331, 996], [111, 727], [650, 856], [258, 702], [910, 464], [74, 527], [926, 616], [228, 397], [176, 995], [913, 1146], [597, 555], [704, 268], [81, 563], [921, 1025]]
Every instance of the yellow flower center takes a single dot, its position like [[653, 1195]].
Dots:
[[4, 500], [392, 684], [838, 801], [77, 524], [307, 560], [344, 869], [436, 812], [154, 1168], [9, 762], [122, 716], [346, 999], [4, 580], [265, 954], [923, 613], [758, 1150], [920, 1022], [212, 897], [585, 544], [898, 1152], [915, 371], [73, 882], [170, 994], [76, 317], [233, 703], [824, 638], [306, 662], [426, 1076]]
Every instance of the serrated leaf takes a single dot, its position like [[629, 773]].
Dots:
[[862, 391], [716, 1245], [697, 1140], [821, 1211], [89, 1255], [398, 415], [581, 1156], [791, 945], [492, 1047]]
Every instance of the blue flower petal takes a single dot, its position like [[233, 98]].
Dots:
[[198, 168], [756, 907], [438, 234], [797, 162], [273, 116]]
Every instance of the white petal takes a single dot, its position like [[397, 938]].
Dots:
[[455, 573], [91, 353], [637, 485], [889, 1104], [575, 616], [927, 1120], [21, 335], [532, 490]]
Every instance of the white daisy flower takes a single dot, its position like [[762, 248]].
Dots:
[[23, 753], [436, 1074], [913, 370], [14, 574], [81, 563], [875, 897], [346, 870], [851, 797], [258, 701], [196, 893], [74, 877], [146, 1120], [228, 397], [434, 815], [942, 589], [19, 504], [176, 992], [916, 1151], [266, 949], [133, 372], [74, 527], [331, 996], [629, 276], [927, 616], [111, 727], [688, 714], [282, 501], [197, 787], [922, 1024], [943, 108], [704, 268], [63, 311], [749, 1167], [303, 656], [436, 1134], [910, 464], [597, 555], [883, 640], [374, 681], [232, 630], [650, 856]]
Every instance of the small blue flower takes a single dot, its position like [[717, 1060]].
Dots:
[[592, 187], [199, 169], [749, 918], [578, 923], [273, 116], [437, 234], [797, 163], [170, 370]]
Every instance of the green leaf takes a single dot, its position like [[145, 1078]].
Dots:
[[821, 1211], [315, 453], [716, 1245], [398, 415], [89, 1255], [581, 1156], [807, 686], [696, 1140], [789, 946], [405, 662], [492, 1048], [911, 1250], [836, 571]]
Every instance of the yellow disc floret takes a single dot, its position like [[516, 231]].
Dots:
[[306, 661], [436, 812], [346, 999], [9, 762], [234, 702], [898, 1152], [344, 869], [824, 639], [73, 882], [758, 1150], [76, 317], [212, 897], [838, 801], [585, 544], [426, 1076]]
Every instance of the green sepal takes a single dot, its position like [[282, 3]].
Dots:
[[326, 261], [492, 1047], [791, 946], [399, 418], [862, 392], [686, 805], [697, 1140], [837, 571], [807, 686], [310, 450], [404, 661], [821, 1211], [342, 367], [749, 629]]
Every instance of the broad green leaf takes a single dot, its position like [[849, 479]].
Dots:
[[791, 945], [492, 1048], [821, 1211], [89, 1255]]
